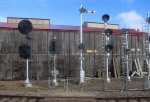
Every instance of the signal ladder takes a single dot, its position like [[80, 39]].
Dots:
[[123, 60], [146, 28], [125, 54]]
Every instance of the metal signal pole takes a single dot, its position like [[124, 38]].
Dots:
[[81, 44], [27, 82], [127, 56], [82, 73]]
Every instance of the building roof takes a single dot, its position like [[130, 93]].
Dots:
[[88, 29], [7, 25]]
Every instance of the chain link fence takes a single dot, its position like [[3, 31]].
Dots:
[[71, 84]]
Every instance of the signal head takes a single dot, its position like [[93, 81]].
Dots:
[[108, 32], [105, 17], [25, 27]]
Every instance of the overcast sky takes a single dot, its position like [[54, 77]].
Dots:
[[129, 13]]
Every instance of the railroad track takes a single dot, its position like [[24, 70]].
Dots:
[[14, 98], [123, 99]]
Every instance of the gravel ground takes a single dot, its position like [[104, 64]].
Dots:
[[111, 94]]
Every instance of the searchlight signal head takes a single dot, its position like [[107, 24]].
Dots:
[[108, 48], [108, 32], [105, 17], [25, 27], [24, 51]]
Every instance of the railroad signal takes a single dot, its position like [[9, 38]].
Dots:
[[25, 27], [81, 46], [53, 46], [108, 48], [24, 51], [83, 10], [105, 17], [108, 32]]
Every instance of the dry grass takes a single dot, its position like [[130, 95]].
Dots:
[[38, 88], [18, 86], [74, 89]]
